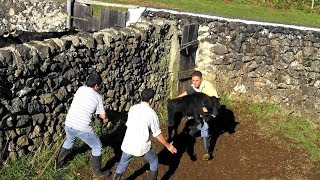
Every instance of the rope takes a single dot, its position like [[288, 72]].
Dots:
[[54, 154]]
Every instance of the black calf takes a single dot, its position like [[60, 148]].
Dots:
[[191, 105]]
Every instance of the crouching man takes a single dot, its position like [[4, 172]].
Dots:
[[86, 102], [200, 85]]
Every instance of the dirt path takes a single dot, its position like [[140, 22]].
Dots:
[[241, 155]]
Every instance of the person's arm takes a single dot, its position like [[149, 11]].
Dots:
[[183, 94], [164, 142]]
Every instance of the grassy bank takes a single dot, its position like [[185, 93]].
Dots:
[[289, 130], [242, 10]]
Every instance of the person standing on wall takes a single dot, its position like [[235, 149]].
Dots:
[[142, 120], [201, 85], [86, 102]]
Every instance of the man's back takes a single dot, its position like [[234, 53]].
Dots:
[[85, 104], [141, 119]]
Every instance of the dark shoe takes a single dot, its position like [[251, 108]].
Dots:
[[61, 160], [206, 144], [116, 176], [153, 175], [96, 167]]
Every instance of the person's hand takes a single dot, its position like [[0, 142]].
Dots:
[[107, 123], [204, 109], [171, 148]]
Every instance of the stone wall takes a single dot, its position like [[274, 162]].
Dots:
[[254, 62], [38, 79], [32, 16], [245, 61], [263, 64]]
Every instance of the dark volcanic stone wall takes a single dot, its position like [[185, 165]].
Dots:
[[258, 63], [38, 79]]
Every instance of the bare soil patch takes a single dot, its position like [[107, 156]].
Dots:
[[242, 154]]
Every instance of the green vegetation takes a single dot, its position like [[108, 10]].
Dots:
[[302, 132], [33, 166], [97, 9], [296, 12]]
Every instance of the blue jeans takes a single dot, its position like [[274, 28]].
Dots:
[[90, 138], [204, 129], [150, 156]]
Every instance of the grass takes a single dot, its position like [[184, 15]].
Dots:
[[221, 8], [232, 10], [303, 132], [97, 10], [31, 165]]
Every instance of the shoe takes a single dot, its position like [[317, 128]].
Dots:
[[153, 175], [206, 144], [61, 160], [96, 167], [116, 176]]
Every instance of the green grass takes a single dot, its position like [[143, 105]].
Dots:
[[232, 10], [31, 165], [242, 10], [97, 9], [303, 132]]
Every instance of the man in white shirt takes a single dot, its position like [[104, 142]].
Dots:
[[86, 102], [142, 120]]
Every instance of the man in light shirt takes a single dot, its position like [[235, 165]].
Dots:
[[86, 103], [142, 120], [200, 85]]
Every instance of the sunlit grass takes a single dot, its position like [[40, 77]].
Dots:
[[303, 132], [232, 10], [38, 165]]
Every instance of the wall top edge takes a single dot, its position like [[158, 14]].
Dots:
[[304, 28]]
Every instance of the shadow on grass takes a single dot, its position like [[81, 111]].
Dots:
[[115, 136]]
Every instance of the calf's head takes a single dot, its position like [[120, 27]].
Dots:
[[213, 105]]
